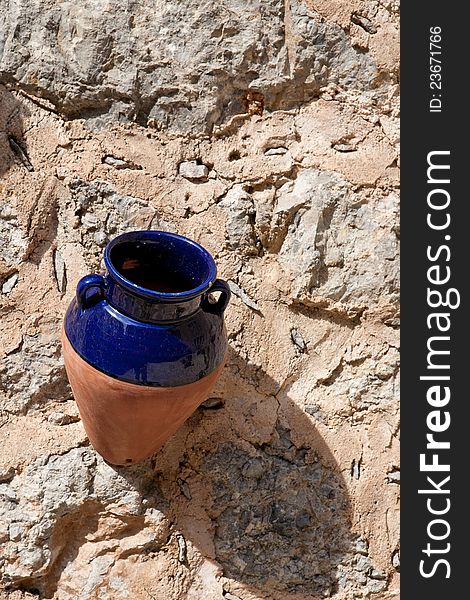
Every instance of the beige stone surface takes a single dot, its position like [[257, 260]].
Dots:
[[288, 488]]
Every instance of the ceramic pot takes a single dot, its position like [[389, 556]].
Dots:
[[144, 344]]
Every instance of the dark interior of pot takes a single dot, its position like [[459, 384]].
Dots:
[[167, 266]]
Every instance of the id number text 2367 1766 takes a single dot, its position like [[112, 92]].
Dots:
[[435, 69]]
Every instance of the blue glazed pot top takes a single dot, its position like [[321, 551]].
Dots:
[[150, 319]]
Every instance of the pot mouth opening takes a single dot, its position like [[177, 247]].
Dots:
[[160, 265]]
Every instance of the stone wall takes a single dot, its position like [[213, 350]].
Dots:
[[267, 130]]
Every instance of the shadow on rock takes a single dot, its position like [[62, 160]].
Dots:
[[278, 508], [281, 519], [12, 145]]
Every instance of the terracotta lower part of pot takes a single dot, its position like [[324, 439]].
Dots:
[[125, 422]]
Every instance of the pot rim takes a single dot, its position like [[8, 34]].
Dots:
[[155, 234]]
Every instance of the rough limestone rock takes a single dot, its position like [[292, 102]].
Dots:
[[59, 494], [336, 247], [191, 170], [32, 373], [13, 243], [267, 131], [188, 65], [112, 213]]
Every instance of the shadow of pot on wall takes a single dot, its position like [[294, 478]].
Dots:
[[253, 486]]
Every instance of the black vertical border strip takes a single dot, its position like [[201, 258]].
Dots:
[[423, 132]]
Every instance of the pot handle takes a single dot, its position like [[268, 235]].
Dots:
[[218, 307], [86, 283]]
